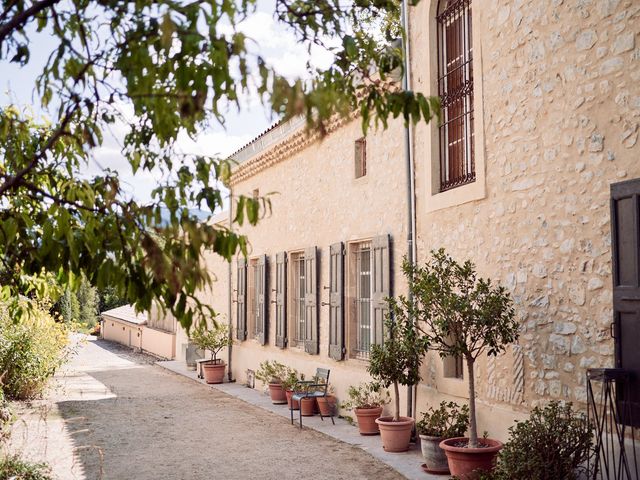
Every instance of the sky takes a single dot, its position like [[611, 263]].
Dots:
[[271, 40]]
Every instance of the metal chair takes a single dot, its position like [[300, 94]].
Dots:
[[311, 389]]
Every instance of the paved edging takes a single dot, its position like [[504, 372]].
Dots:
[[407, 464]]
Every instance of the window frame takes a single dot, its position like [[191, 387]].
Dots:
[[360, 157]]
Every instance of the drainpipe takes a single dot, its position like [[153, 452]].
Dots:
[[411, 197], [230, 298]]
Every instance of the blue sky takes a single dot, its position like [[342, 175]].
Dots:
[[271, 40]]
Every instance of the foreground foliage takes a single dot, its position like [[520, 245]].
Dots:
[[157, 70], [12, 467], [555, 442], [30, 351]]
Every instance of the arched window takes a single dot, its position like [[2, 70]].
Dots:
[[455, 88]]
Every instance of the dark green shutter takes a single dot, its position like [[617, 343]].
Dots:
[[281, 299], [311, 344], [241, 304], [336, 301], [262, 322], [381, 284]]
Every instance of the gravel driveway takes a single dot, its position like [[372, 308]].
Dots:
[[115, 415]]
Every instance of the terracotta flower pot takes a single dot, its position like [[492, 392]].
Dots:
[[307, 406], [277, 394], [463, 460], [367, 420], [214, 372], [327, 405], [395, 435], [296, 403], [434, 457]]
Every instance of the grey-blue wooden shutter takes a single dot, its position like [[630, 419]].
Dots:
[[336, 301], [381, 284], [311, 343], [241, 304], [262, 322], [281, 299]]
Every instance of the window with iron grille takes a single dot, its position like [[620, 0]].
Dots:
[[298, 309], [361, 157], [253, 287], [455, 88], [362, 280]]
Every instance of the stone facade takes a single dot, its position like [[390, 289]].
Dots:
[[557, 91], [557, 109]]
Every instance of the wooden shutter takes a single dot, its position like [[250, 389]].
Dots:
[[281, 299], [380, 284], [336, 301], [241, 312], [311, 344], [625, 233], [262, 322]]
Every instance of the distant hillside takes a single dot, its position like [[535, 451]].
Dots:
[[200, 214]]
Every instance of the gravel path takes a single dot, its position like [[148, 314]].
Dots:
[[114, 415]]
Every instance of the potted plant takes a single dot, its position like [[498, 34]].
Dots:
[[289, 384], [213, 339], [449, 420], [273, 373], [366, 400], [397, 362], [460, 314], [327, 404]]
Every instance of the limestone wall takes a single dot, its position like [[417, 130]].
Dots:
[[316, 201], [557, 109]]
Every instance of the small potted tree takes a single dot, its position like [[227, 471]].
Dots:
[[449, 420], [397, 362], [213, 339], [460, 314], [367, 401], [273, 373]]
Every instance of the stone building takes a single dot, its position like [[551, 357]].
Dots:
[[541, 111]]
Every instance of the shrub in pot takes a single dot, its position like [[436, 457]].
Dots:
[[327, 404], [366, 401], [397, 362], [462, 315], [449, 420], [555, 442], [289, 384], [213, 339], [273, 373]]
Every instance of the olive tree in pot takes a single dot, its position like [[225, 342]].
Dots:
[[213, 339], [460, 314], [449, 420], [366, 401], [397, 362]]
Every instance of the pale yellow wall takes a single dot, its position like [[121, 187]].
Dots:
[[557, 108], [216, 296], [318, 202], [158, 342], [121, 332]]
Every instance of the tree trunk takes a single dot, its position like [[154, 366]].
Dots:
[[473, 427], [396, 390]]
